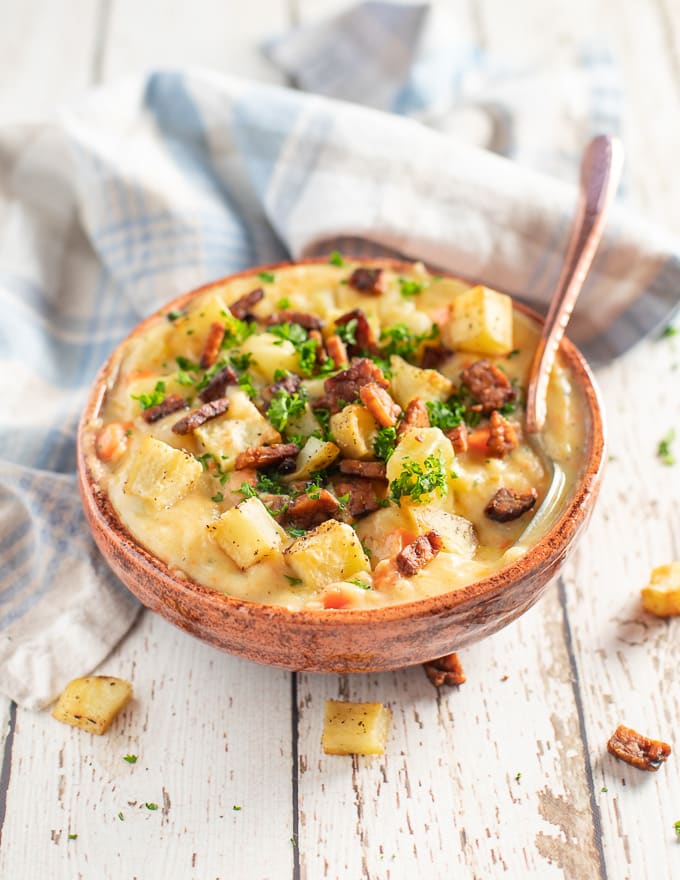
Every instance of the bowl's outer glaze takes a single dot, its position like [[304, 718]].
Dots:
[[342, 641]]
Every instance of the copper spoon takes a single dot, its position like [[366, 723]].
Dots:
[[600, 174]]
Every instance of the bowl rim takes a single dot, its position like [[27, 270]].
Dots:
[[545, 553]]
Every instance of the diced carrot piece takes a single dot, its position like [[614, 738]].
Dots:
[[385, 574], [441, 315], [478, 441], [337, 598], [111, 443]]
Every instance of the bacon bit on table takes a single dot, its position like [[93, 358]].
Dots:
[[415, 416], [371, 282], [418, 553], [371, 470], [265, 456], [445, 671], [489, 386], [218, 384], [380, 404], [173, 403], [198, 417], [507, 504], [459, 438], [502, 435], [241, 308], [213, 344], [638, 750]]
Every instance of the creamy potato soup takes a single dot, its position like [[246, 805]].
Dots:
[[329, 436]]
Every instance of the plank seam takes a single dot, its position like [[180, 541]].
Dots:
[[100, 40], [295, 769], [576, 689], [7, 764]]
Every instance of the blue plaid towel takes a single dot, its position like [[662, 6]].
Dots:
[[152, 187]]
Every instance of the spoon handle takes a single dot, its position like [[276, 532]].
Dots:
[[600, 174]]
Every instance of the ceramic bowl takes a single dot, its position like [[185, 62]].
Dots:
[[344, 640]]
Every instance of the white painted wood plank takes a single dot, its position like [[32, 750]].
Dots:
[[211, 732], [46, 54], [445, 796], [207, 33]]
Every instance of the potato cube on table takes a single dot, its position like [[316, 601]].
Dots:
[[92, 703], [661, 596], [329, 553], [248, 534], [355, 728], [481, 321], [161, 474]]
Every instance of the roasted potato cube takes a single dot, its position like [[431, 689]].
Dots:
[[331, 552], [355, 728], [481, 321], [189, 332], [661, 596], [241, 427], [408, 382], [161, 474], [92, 703], [417, 445], [315, 455], [270, 353], [457, 533], [248, 534], [354, 429]]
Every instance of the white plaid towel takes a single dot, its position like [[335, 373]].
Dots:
[[160, 184]]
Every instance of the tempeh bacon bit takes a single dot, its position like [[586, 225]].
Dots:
[[289, 316], [418, 553], [344, 387], [337, 351], [415, 416], [371, 282], [502, 435], [173, 403], [445, 671], [362, 495], [213, 344], [459, 438], [380, 404], [265, 456], [371, 470], [198, 417], [307, 512], [241, 308], [507, 504], [218, 384], [489, 386], [638, 750]]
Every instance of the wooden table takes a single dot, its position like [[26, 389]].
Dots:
[[507, 776]]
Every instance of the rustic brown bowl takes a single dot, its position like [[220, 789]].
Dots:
[[343, 640]]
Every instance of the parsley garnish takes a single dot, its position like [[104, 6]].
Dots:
[[293, 581], [217, 498], [336, 259], [359, 583], [445, 415], [283, 303], [121, 816], [236, 331], [241, 361], [512, 354], [663, 450], [270, 485], [247, 490], [131, 759], [343, 500], [285, 406], [418, 481], [183, 378], [409, 287], [398, 339], [295, 532], [267, 277], [173, 316], [385, 443], [151, 806], [348, 332], [292, 332], [187, 365], [245, 381], [156, 397], [323, 417], [518, 776], [604, 789], [668, 331]]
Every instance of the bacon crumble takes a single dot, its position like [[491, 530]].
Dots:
[[365, 341], [372, 470], [445, 671], [489, 386], [213, 344], [503, 436], [218, 384], [418, 553], [380, 404], [371, 282], [200, 416], [507, 504], [290, 316], [307, 512], [259, 457], [241, 308], [344, 387], [362, 495], [637, 750], [459, 438], [173, 403], [415, 416]]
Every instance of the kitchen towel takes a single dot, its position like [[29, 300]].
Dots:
[[161, 183]]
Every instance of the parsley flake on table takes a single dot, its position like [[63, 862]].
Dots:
[[663, 450], [677, 828], [151, 806], [668, 331], [236, 808], [131, 759], [518, 776], [121, 816], [73, 837]]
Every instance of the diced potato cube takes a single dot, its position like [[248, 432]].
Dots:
[[241, 426], [161, 474], [481, 321], [457, 533], [331, 552], [355, 728], [190, 331], [248, 534], [354, 429], [92, 703], [270, 353], [661, 596], [304, 423], [315, 455], [386, 531], [408, 382], [417, 445]]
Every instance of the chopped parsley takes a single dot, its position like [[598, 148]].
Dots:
[[604, 789], [285, 406], [283, 303], [518, 776], [305, 347], [241, 361], [154, 398], [512, 354], [174, 315], [409, 287], [668, 331], [677, 828], [399, 339], [131, 759], [151, 806], [73, 837], [348, 332], [663, 450], [121, 816], [245, 381], [188, 366], [295, 532], [184, 378], [336, 259], [217, 498], [358, 582], [267, 277], [385, 442], [419, 482], [293, 581], [247, 490], [236, 808], [323, 417], [445, 415], [292, 332], [236, 331]]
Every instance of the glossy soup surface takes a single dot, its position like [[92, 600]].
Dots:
[[188, 498]]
